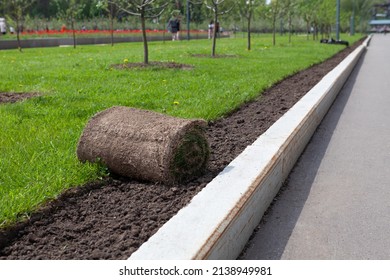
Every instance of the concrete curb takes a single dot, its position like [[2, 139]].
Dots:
[[220, 219]]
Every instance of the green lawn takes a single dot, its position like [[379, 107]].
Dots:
[[39, 136]]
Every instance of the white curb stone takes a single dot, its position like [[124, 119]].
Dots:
[[220, 219]]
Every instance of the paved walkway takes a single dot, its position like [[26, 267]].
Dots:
[[337, 203]]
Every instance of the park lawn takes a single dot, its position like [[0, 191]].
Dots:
[[39, 136]]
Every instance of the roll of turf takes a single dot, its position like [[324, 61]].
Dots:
[[145, 145]]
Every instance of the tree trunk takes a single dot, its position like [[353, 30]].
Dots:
[[112, 35], [249, 31], [307, 30], [215, 33], [111, 24], [74, 33], [315, 31], [18, 35], [112, 30], [145, 40], [274, 30], [289, 28]]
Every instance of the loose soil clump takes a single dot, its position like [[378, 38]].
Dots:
[[11, 97], [154, 64], [112, 218], [216, 56]]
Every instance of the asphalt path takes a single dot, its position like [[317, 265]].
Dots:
[[336, 204]]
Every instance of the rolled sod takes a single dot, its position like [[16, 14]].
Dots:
[[145, 145]]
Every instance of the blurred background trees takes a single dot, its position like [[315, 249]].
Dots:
[[312, 17]]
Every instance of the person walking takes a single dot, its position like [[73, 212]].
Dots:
[[211, 29], [174, 26]]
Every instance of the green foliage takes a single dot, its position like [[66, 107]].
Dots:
[[196, 12], [297, 15], [39, 136], [70, 10]]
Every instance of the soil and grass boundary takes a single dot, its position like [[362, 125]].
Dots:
[[108, 205]]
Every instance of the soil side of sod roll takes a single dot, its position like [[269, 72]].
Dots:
[[110, 219]]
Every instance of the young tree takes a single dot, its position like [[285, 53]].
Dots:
[[246, 9], [193, 13], [307, 10], [143, 9], [70, 11], [218, 8], [17, 10], [111, 8], [327, 17], [274, 10], [290, 8]]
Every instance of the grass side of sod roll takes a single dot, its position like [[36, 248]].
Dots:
[[38, 136]]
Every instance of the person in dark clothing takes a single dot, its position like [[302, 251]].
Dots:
[[174, 28]]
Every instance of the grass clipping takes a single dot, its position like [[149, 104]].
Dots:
[[145, 145]]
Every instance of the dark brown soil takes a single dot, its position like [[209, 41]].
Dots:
[[11, 97], [111, 218], [153, 64], [215, 56]]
